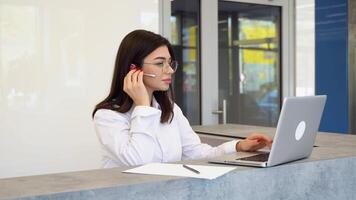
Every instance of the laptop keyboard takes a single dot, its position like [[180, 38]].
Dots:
[[258, 158]]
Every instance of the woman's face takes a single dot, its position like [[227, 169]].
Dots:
[[157, 63]]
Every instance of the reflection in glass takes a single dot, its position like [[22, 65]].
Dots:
[[185, 42], [249, 62]]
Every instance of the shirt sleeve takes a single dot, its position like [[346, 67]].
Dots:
[[192, 146], [129, 139]]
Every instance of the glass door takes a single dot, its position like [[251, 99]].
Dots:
[[185, 39], [249, 38], [237, 57]]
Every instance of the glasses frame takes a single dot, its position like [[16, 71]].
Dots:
[[165, 64]]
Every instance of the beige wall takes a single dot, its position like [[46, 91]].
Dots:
[[305, 47], [56, 62]]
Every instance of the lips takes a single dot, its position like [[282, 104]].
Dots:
[[167, 80]]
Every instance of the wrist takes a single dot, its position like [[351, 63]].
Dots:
[[142, 103], [238, 145]]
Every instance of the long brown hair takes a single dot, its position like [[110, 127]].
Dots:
[[133, 49]]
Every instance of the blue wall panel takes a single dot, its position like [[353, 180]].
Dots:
[[331, 71]]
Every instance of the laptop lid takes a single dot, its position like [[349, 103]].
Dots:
[[296, 130], [295, 134]]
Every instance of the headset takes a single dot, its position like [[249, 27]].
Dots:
[[133, 66]]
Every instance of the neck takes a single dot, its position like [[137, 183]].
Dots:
[[150, 94]]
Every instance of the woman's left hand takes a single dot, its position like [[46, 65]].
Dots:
[[254, 142]]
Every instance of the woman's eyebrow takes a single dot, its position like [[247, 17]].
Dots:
[[161, 58]]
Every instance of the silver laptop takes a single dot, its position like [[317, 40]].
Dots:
[[295, 135]]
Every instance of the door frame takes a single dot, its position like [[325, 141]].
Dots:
[[209, 50]]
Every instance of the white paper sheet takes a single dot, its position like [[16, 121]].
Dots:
[[206, 172]]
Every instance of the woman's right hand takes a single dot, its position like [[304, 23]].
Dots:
[[134, 87], [254, 142]]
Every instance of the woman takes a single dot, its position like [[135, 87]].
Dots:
[[138, 122]]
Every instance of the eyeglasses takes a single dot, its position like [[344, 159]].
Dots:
[[162, 64]]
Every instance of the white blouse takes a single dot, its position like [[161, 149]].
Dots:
[[138, 137]]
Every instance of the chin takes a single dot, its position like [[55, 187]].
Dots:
[[165, 88]]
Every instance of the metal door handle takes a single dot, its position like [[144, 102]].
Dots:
[[223, 111], [217, 112]]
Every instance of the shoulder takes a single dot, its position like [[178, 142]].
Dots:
[[110, 116], [176, 109]]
